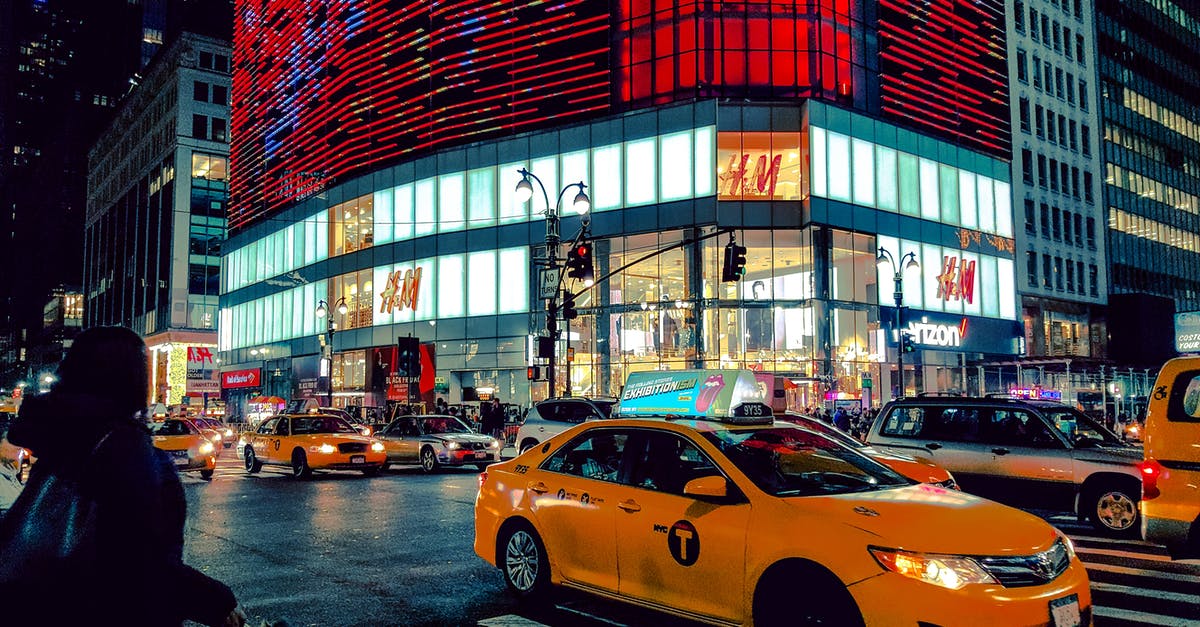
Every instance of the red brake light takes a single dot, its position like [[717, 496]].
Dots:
[[482, 478], [1151, 471]]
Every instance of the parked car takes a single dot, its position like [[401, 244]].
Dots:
[[1171, 469], [553, 416], [1036, 454], [915, 467]]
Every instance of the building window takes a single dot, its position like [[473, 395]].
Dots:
[[1074, 132], [1070, 276], [1031, 267], [1083, 97], [1087, 186], [1063, 176], [1070, 89], [199, 126], [209, 167], [1039, 121], [1047, 272], [219, 133], [1022, 71], [200, 91], [1053, 175], [1079, 273], [1059, 83], [1058, 274], [1067, 43], [1050, 134], [1079, 235], [206, 60], [1037, 72], [1041, 161], [1049, 74], [1057, 37], [221, 63], [1056, 223], [1019, 15], [220, 94], [1078, 8], [1024, 112], [1030, 219], [1066, 226], [1093, 274], [1086, 138], [1045, 219], [1046, 30], [1091, 233], [1027, 166], [1033, 23], [1079, 50]]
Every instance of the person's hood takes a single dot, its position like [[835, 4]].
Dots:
[[64, 425]]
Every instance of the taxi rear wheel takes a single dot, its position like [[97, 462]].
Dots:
[[252, 463], [300, 467], [528, 444], [803, 594], [429, 461], [523, 562]]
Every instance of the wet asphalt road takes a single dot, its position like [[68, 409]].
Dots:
[[343, 549]]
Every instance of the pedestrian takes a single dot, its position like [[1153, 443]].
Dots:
[[439, 407], [497, 419], [841, 420], [97, 534]]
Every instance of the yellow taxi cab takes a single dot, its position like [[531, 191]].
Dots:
[[187, 446], [308, 442], [717, 513], [1171, 468]]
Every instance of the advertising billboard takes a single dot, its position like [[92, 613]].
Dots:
[[688, 392], [1187, 332]]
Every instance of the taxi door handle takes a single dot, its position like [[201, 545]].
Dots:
[[539, 487], [1000, 450], [630, 506]]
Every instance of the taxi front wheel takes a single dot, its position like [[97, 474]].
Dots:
[[799, 593], [300, 467], [523, 562], [252, 463]]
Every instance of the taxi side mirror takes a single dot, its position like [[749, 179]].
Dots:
[[712, 487]]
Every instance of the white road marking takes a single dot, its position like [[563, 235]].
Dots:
[[1142, 572], [1143, 618], [1147, 594], [509, 620]]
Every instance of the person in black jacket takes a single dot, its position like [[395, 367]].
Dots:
[[88, 429]]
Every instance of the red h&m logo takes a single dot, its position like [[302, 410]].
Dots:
[[957, 279], [401, 290], [760, 183], [199, 354]]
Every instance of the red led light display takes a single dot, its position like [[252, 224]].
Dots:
[[327, 90], [944, 70]]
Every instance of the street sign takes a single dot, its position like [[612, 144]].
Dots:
[[549, 282]]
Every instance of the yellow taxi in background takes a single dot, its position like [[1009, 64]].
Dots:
[[1171, 468], [187, 446], [308, 442], [721, 515]]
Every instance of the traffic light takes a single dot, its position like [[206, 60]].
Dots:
[[734, 267], [408, 359], [568, 307], [533, 372], [906, 342], [579, 263]]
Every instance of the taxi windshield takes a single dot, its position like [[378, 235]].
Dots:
[[320, 424], [443, 424], [174, 427], [788, 461], [829, 431]]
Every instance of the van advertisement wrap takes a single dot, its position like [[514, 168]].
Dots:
[[688, 392]]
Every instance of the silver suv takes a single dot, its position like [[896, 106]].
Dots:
[[1033, 454], [553, 416]]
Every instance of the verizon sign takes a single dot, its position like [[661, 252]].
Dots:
[[241, 378], [939, 335]]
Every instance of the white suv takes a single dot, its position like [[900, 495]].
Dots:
[[553, 416]]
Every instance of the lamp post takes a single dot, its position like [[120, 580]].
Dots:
[[327, 343], [885, 257], [582, 204]]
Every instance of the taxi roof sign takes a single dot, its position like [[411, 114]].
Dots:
[[726, 395]]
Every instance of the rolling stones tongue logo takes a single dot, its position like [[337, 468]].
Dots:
[[709, 391]]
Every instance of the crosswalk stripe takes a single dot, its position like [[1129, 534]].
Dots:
[[509, 620], [1142, 618], [1141, 572], [1127, 554], [1148, 594], [1118, 541]]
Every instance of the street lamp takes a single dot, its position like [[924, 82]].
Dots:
[[327, 343], [582, 204], [885, 257]]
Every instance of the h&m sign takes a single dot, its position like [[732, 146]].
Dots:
[[957, 279], [401, 290]]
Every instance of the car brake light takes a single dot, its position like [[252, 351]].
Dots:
[[1151, 471]]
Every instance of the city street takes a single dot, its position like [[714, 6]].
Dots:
[[344, 549]]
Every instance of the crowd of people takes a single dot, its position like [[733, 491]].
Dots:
[[854, 422]]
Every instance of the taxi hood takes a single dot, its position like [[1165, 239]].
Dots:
[[931, 519]]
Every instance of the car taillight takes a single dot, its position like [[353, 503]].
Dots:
[[1151, 471], [482, 478]]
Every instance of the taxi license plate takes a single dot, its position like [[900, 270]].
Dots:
[[481, 454], [1064, 612], [358, 459], [180, 457]]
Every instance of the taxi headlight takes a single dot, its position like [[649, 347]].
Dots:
[[452, 445], [947, 571], [324, 448], [217, 437], [229, 433], [205, 448], [494, 444], [1070, 546], [377, 447]]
